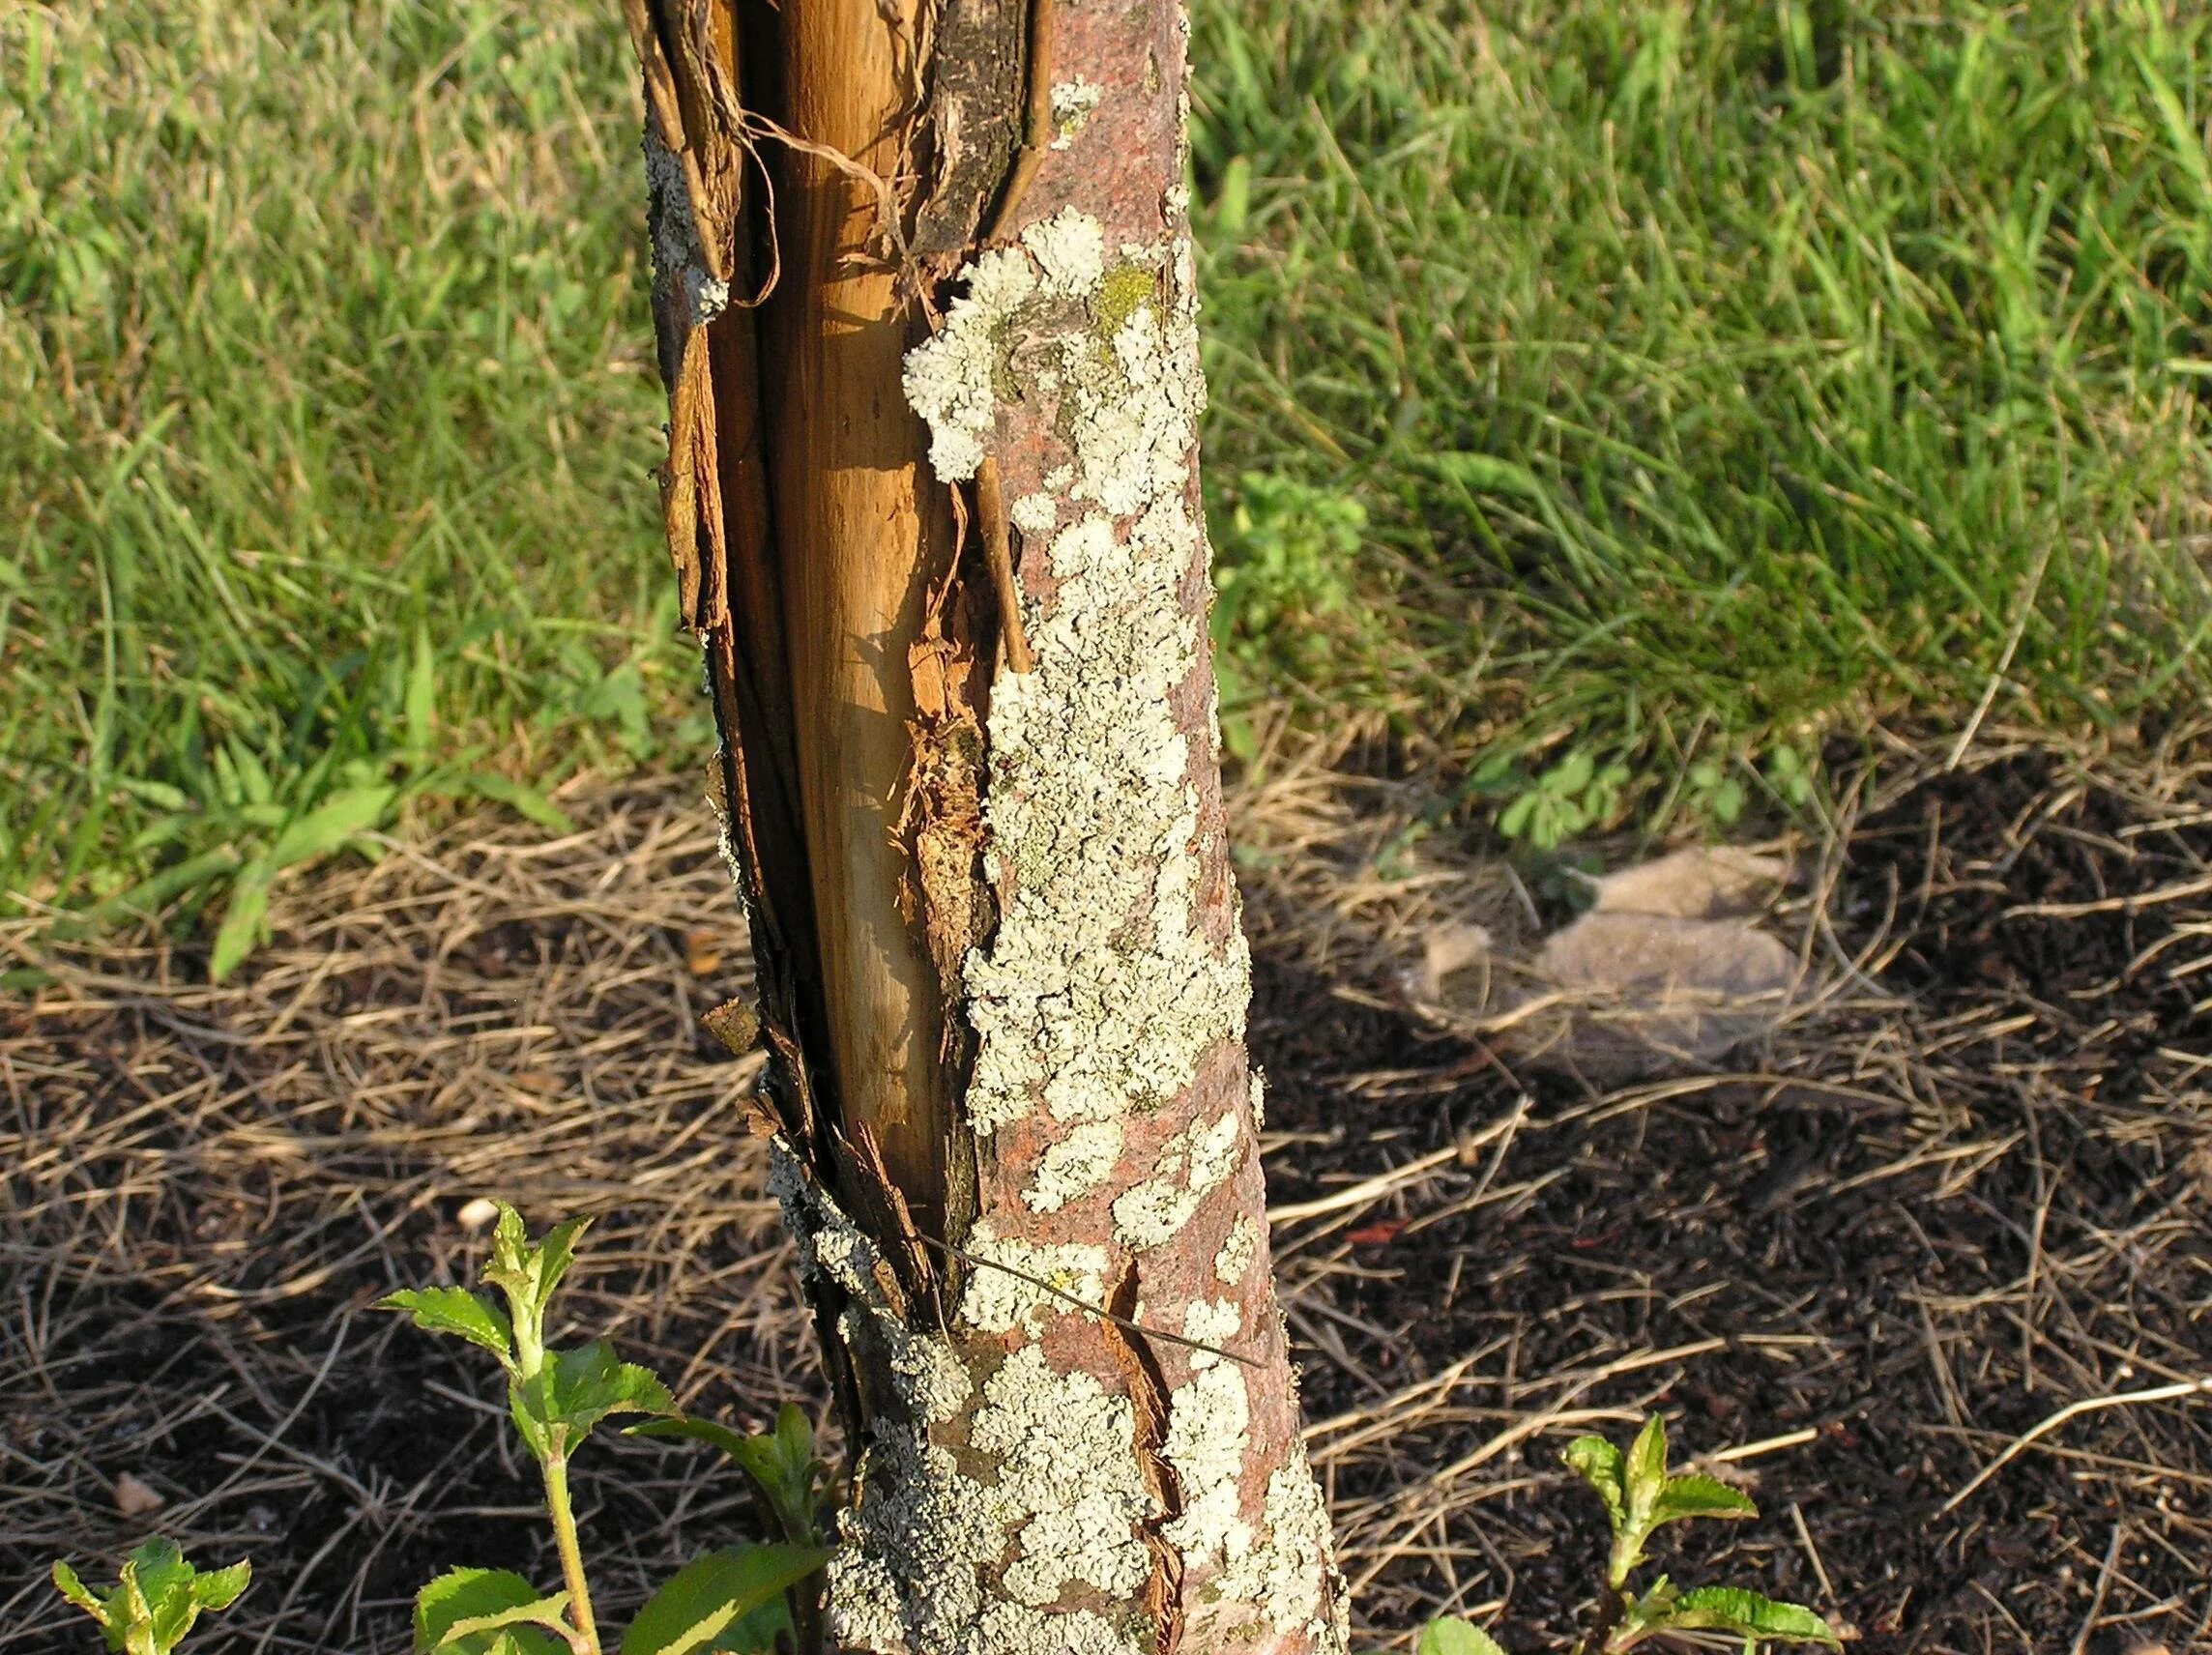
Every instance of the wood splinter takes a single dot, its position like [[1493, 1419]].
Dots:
[[997, 546], [1036, 119]]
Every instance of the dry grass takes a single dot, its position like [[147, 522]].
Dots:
[[1962, 1189], [208, 1187], [1966, 1191]]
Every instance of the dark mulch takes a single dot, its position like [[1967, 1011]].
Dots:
[[1869, 1260], [1970, 1191], [206, 1189]]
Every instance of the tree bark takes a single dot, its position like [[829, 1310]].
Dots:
[[934, 509]]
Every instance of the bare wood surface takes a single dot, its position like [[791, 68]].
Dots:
[[855, 541]]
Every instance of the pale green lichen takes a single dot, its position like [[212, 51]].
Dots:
[[1036, 514], [1215, 1323], [970, 1552], [951, 380], [1191, 1166], [1017, 1629], [1208, 1420], [1132, 446], [1288, 1569], [1075, 1166], [1236, 1252], [1073, 103], [999, 1301], [955, 380], [1099, 992], [932, 1382], [1069, 1478], [1070, 251], [1284, 1567], [1095, 1004]]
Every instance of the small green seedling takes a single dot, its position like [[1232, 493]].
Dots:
[[789, 1485], [1575, 796], [157, 1598], [742, 1600], [1640, 1498]]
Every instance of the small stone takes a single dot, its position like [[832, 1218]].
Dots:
[[135, 1496]]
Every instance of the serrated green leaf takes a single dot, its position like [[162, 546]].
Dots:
[[219, 1588], [546, 1612], [779, 1465], [578, 1388], [455, 1311], [1748, 1614], [556, 1253], [1598, 1463], [701, 1599], [509, 1241], [158, 1597], [534, 1431], [794, 1436], [330, 824], [1652, 1612], [1644, 1473], [157, 1568], [74, 1592], [767, 1628], [242, 920], [1451, 1635], [734, 1444], [469, 1595]]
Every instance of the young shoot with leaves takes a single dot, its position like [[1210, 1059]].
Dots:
[[1640, 1498]]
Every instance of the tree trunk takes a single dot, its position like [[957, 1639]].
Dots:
[[933, 504]]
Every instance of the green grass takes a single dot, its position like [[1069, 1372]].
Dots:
[[1717, 377], [327, 415], [1617, 399]]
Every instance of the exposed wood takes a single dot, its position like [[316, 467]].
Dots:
[[1003, 980], [716, 514], [858, 546]]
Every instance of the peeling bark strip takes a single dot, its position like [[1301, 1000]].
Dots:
[[934, 511]]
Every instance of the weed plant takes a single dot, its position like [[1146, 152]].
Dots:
[[766, 1598]]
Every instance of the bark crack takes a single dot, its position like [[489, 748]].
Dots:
[[1148, 1384]]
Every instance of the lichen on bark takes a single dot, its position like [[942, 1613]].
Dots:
[[1073, 1418], [1109, 1003]]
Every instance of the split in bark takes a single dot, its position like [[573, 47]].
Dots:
[[933, 507]]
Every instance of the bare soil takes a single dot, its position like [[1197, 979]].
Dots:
[[1856, 1267]]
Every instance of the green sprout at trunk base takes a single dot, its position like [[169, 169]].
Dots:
[[740, 1600], [1640, 1498]]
